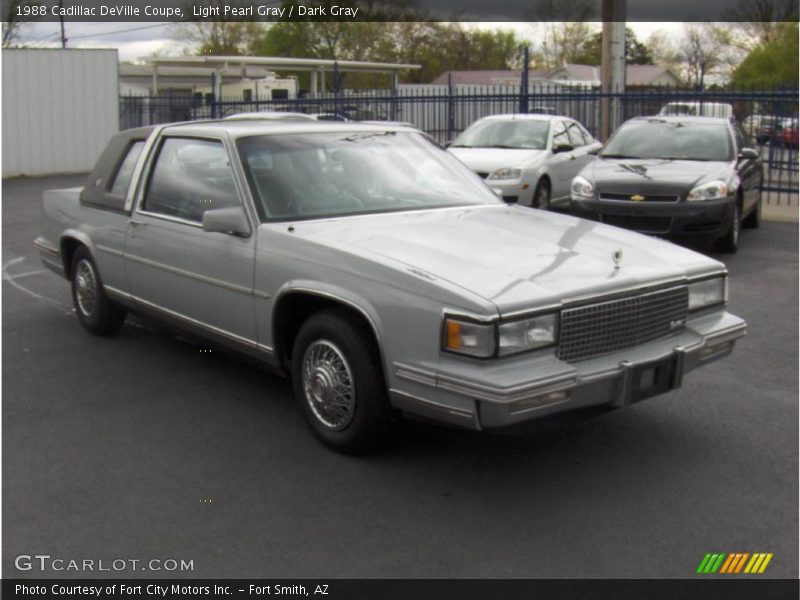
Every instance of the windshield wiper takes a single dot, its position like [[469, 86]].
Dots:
[[618, 156]]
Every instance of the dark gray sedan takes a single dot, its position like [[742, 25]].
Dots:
[[675, 176]]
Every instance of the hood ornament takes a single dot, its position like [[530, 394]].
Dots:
[[616, 256]]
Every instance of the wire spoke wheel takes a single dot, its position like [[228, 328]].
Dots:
[[86, 288], [328, 385]]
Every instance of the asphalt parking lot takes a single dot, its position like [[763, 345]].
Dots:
[[142, 446]]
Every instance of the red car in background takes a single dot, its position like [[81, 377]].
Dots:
[[786, 132]]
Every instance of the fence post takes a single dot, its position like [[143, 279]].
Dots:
[[450, 115], [523, 84], [336, 86]]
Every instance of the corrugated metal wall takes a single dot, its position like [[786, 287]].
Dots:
[[60, 107]]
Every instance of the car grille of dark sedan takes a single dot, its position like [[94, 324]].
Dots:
[[603, 327], [642, 197]]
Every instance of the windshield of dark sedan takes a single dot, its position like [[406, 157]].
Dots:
[[313, 175], [671, 139], [524, 134]]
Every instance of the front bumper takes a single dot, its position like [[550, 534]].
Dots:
[[710, 218], [513, 191], [482, 395]]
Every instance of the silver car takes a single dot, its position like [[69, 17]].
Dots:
[[527, 159], [381, 275]]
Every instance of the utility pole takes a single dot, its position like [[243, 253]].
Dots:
[[61, 18], [613, 65]]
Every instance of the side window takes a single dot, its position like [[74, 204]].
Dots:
[[575, 136], [190, 176], [122, 179], [560, 137]]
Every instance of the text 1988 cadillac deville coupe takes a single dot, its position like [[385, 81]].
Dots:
[[381, 274]]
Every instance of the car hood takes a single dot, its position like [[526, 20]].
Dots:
[[514, 257], [486, 160], [656, 176]]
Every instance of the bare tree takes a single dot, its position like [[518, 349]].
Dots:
[[758, 20], [12, 20], [707, 49], [563, 28]]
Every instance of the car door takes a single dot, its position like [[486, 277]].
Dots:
[[561, 164], [172, 264], [748, 169]]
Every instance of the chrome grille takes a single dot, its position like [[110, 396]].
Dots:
[[604, 327], [617, 197]]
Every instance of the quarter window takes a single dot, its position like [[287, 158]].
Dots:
[[122, 179], [190, 176]]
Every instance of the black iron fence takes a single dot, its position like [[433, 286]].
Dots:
[[769, 116]]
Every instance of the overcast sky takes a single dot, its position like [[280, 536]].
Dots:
[[136, 41]]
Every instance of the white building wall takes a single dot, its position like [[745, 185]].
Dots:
[[60, 107]]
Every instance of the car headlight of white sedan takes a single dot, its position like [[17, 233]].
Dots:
[[582, 189], [708, 292], [486, 340], [713, 190], [506, 174]]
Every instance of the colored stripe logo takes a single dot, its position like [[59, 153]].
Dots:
[[734, 563]]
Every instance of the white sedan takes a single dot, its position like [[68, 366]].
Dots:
[[527, 159]]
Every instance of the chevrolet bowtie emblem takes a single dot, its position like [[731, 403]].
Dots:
[[637, 198]]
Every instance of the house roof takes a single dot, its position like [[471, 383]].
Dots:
[[634, 74], [498, 77]]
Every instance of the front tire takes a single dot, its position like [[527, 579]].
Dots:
[[96, 311], [541, 195], [753, 220], [729, 243], [338, 379]]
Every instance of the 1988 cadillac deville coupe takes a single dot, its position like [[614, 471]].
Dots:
[[381, 274]]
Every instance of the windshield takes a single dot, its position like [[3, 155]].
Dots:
[[670, 139], [313, 175], [521, 134]]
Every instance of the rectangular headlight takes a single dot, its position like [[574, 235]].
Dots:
[[526, 334], [708, 292], [472, 339]]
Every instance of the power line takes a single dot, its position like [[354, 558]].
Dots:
[[90, 35]]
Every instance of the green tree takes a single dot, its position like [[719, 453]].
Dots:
[[772, 64], [437, 47], [636, 52]]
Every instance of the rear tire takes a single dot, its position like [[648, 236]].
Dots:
[[541, 195], [96, 311], [729, 243], [338, 379]]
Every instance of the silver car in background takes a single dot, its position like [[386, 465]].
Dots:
[[527, 159]]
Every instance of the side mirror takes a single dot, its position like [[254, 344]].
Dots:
[[749, 153], [230, 220], [562, 148]]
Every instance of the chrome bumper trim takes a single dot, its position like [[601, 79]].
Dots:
[[45, 246]]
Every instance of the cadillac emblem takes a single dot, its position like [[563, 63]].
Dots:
[[616, 256], [637, 198]]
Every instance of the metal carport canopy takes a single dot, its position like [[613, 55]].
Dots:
[[317, 66]]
